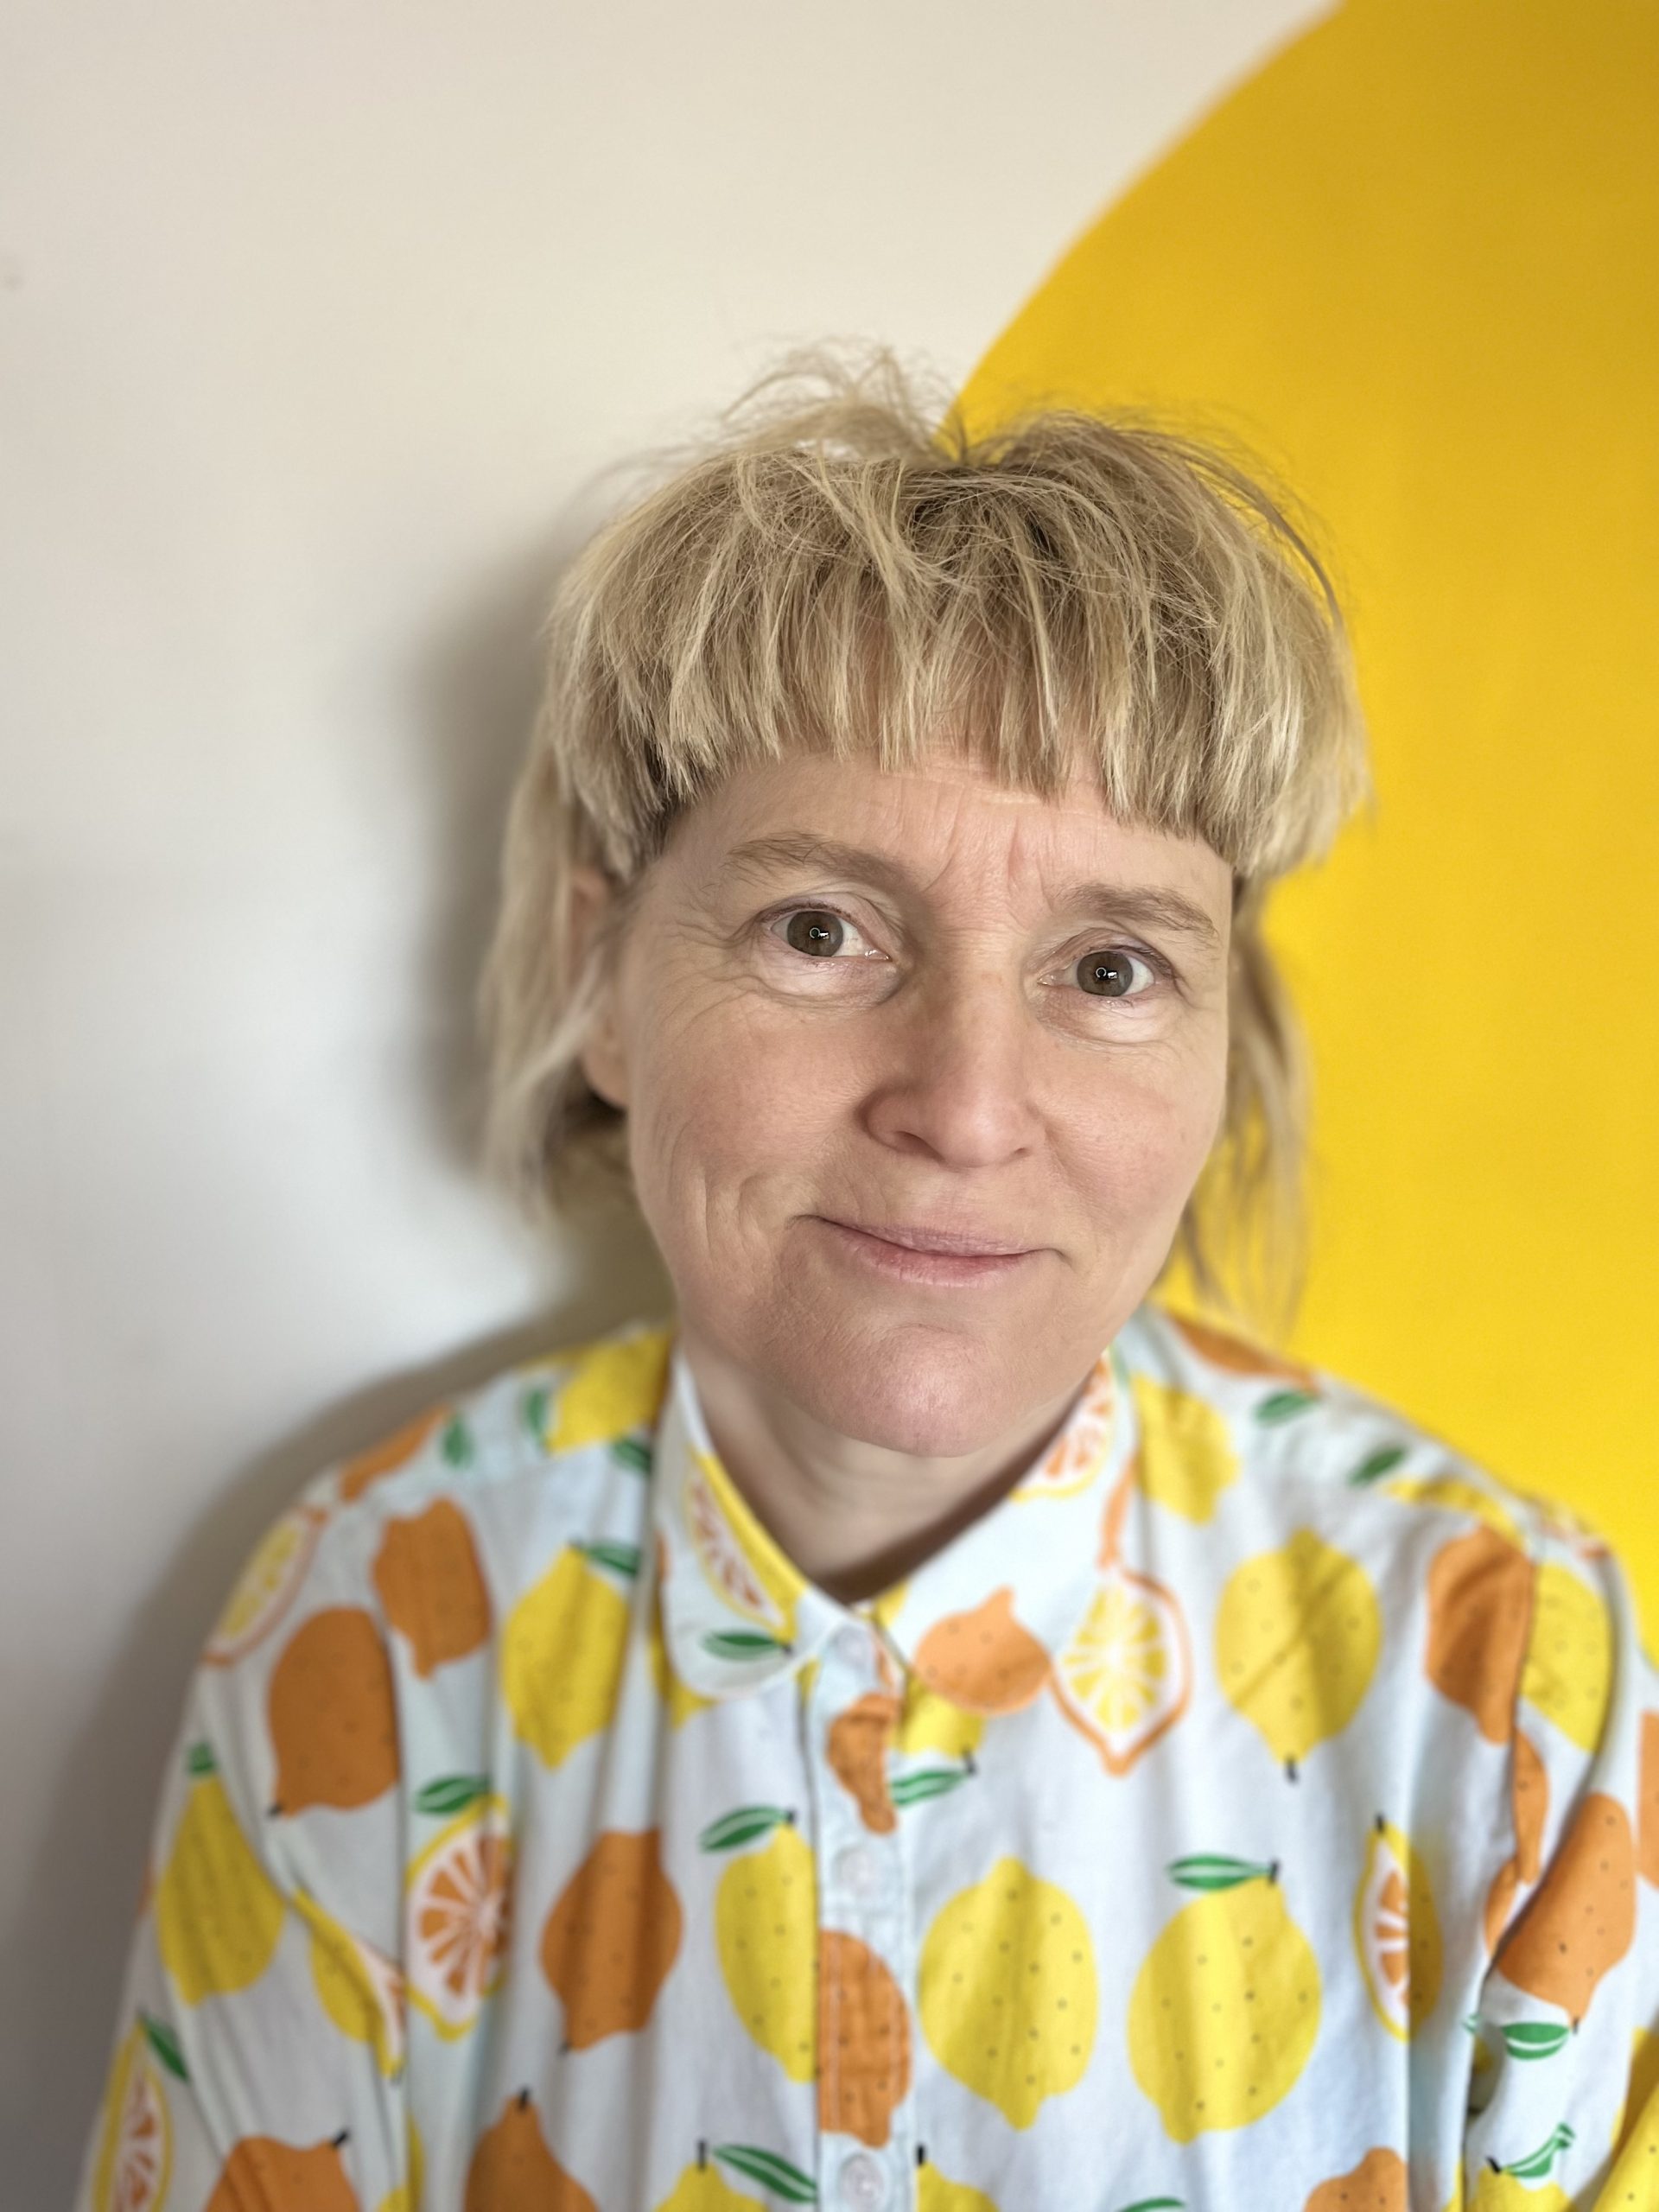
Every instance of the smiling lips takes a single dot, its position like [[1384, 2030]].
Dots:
[[964, 1246], [926, 1255]]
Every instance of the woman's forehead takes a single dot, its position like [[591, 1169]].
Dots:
[[947, 815]]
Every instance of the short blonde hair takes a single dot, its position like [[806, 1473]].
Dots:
[[843, 567]]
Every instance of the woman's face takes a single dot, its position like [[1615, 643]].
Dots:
[[850, 999]]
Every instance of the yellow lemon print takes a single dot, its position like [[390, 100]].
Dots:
[[406, 2197], [1187, 1457], [1524, 2185], [1007, 1991], [361, 1990], [935, 2193], [704, 2188], [217, 1913], [561, 1653], [1636, 2140], [766, 1932], [680, 1699], [1298, 1631], [1225, 2008], [1569, 1665], [930, 1722], [609, 1388], [1397, 1932], [1641, 2090], [1458, 1495]]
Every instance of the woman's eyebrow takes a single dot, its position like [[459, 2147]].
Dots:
[[1117, 902]]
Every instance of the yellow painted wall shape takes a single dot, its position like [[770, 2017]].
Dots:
[[1413, 265]]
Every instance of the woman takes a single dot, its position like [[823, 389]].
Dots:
[[919, 1724]]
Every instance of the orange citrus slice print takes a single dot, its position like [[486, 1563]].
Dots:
[[458, 1912], [722, 1557], [134, 2159], [1397, 1933], [1069, 1465]]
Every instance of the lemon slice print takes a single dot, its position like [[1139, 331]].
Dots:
[[265, 1588], [1126, 1677]]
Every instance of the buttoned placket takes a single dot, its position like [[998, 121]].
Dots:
[[863, 1881]]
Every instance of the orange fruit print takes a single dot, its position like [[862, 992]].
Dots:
[[432, 1587], [1479, 1605], [1582, 1919], [983, 1660], [334, 1725], [856, 1746], [611, 1937], [283, 2178], [863, 2040], [514, 2170]]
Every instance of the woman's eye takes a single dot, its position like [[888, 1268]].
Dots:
[[818, 931], [1111, 974]]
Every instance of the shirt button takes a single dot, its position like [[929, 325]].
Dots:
[[857, 1871], [864, 2183]]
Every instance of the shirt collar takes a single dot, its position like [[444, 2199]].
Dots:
[[738, 1614]]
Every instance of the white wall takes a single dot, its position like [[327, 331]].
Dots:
[[315, 323]]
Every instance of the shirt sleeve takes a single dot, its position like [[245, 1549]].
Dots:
[[1564, 2093], [259, 2047]]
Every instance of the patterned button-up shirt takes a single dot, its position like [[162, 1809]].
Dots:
[[1257, 1807]]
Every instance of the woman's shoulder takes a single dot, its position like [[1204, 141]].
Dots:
[[1320, 1440], [471, 1465]]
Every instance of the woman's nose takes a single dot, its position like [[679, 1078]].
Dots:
[[953, 1071]]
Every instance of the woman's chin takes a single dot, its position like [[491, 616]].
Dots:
[[930, 1388]]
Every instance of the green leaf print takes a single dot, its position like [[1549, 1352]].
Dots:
[[1156, 2204], [621, 1559], [199, 1760], [1537, 2165], [535, 1412], [1534, 2039], [1384, 1461], [452, 1794], [741, 1643], [630, 1453], [771, 2171], [742, 1826], [927, 1782], [1283, 1405], [457, 1444], [1206, 1871], [165, 2044]]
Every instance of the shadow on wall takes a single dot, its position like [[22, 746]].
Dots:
[[472, 696]]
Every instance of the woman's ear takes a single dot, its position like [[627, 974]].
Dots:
[[603, 1061]]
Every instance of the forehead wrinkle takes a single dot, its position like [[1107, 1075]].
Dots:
[[1148, 905]]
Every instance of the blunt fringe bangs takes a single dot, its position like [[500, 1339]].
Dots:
[[843, 566]]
